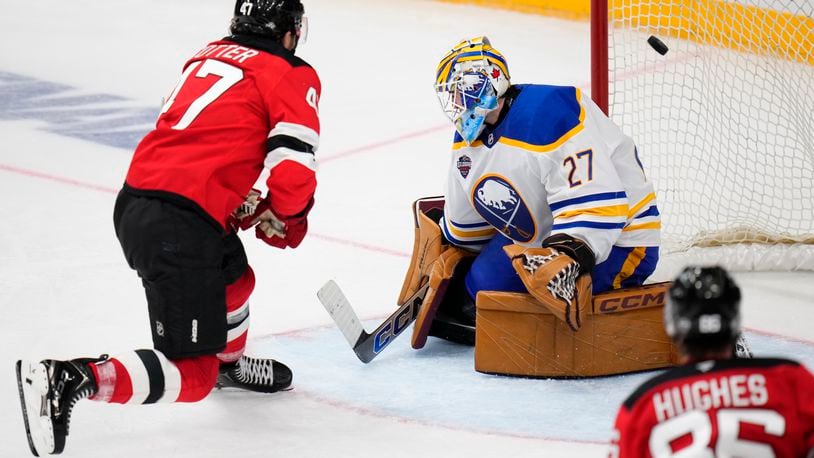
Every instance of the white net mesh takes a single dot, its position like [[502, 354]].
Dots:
[[724, 122]]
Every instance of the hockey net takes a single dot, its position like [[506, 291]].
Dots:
[[724, 122]]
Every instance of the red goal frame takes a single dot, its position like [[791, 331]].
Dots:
[[599, 53]]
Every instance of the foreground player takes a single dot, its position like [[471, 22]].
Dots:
[[242, 103], [715, 405], [540, 166]]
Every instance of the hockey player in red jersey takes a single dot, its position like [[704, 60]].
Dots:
[[243, 103], [715, 405]]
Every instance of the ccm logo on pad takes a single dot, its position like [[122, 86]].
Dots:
[[634, 301]]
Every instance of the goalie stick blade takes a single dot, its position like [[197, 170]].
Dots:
[[368, 345]]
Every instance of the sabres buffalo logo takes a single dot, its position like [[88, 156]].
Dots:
[[500, 204], [464, 165]]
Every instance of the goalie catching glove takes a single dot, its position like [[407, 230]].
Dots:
[[276, 230], [557, 275]]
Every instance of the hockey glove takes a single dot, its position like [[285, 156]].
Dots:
[[555, 277], [243, 216], [281, 231]]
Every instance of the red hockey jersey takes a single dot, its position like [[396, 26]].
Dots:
[[731, 408], [242, 103]]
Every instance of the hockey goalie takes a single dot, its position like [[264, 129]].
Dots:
[[547, 206]]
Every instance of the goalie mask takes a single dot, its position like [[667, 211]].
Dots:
[[469, 81], [704, 308]]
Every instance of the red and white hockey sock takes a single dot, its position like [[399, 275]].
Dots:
[[237, 316], [147, 377]]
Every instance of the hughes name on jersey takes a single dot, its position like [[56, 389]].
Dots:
[[741, 407], [554, 163], [241, 103]]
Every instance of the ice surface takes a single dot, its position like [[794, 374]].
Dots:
[[78, 81]]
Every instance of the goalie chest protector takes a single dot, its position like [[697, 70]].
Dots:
[[622, 332]]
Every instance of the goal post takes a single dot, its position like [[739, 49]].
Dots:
[[723, 121]]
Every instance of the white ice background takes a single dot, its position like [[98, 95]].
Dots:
[[81, 81]]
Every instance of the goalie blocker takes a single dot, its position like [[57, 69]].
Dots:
[[557, 330]]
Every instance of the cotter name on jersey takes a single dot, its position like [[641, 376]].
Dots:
[[227, 51]]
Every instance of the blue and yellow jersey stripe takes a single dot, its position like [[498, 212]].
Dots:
[[639, 205], [604, 197], [644, 215], [462, 144], [472, 235], [606, 210]]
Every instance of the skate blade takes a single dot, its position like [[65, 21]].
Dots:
[[225, 383], [32, 383]]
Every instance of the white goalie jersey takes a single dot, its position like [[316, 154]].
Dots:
[[554, 163]]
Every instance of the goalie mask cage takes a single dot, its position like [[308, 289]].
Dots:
[[724, 122]]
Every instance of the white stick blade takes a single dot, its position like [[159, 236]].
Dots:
[[341, 311]]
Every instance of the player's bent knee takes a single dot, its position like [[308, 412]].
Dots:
[[198, 376], [238, 293]]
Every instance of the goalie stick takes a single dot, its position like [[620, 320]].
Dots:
[[368, 345]]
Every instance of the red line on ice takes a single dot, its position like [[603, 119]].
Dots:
[[57, 179], [376, 145], [363, 246], [376, 414], [339, 404], [105, 189], [780, 336]]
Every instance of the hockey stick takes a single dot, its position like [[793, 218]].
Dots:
[[507, 222], [368, 345]]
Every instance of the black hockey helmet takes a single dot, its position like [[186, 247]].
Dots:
[[269, 18], [703, 310]]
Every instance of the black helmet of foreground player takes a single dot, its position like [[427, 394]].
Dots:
[[703, 313], [270, 18]]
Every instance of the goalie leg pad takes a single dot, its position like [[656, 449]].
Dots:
[[441, 274], [427, 246], [455, 320], [622, 331]]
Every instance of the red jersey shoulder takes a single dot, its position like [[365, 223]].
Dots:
[[719, 396], [682, 374], [289, 86], [262, 59]]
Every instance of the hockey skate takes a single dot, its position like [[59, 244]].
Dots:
[[48, 391], [255, 374]]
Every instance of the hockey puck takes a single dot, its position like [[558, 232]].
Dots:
[[658, 45]]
